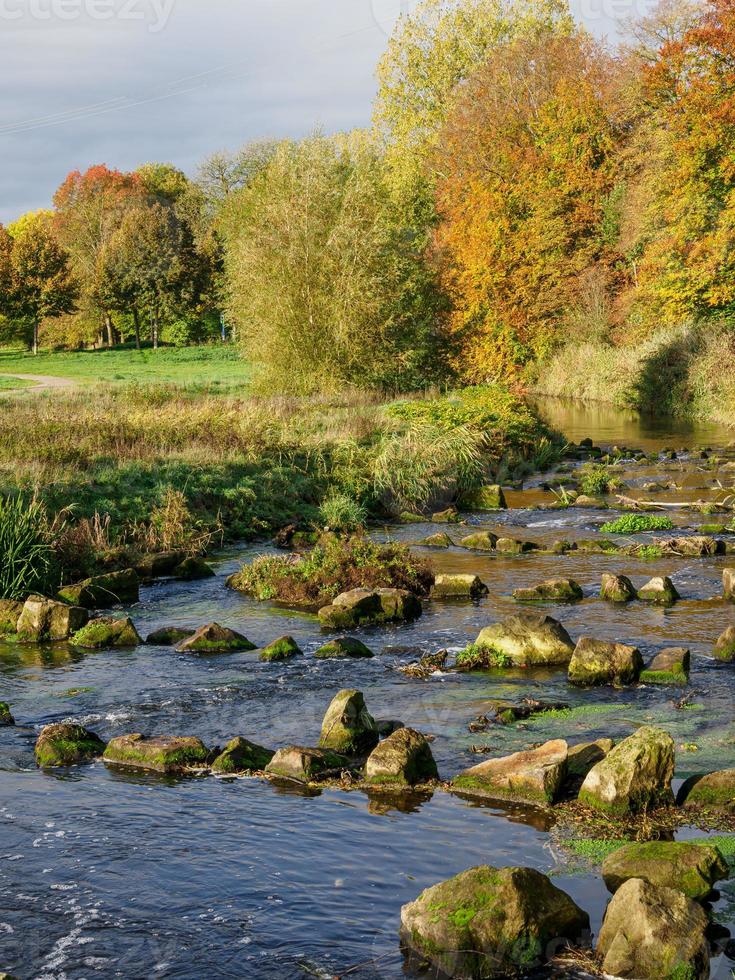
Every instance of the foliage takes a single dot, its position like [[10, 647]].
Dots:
[[331, 568], [342, 513], [27, 555], [635, 523], [596, 478]]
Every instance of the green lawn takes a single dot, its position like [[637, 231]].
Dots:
[[215, 367], [10, 383]]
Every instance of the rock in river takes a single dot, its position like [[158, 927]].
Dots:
[[635, 775], [107, 632], [439, 540], [160, 753], [306, 764], [529, 640], [66, 745], [553, 589], [584, 756], [599, 662], [670, 666], [728, 584], [534, 776], [6, 715], [169, 636], [241, 755], [690, 868], [479, 541], [10, 611], [715, 789], [348, 727], [365, 606], [283, 648], [458, 587], [46, 621], [724, 648], [660, 591], [617, 588], [343, 646], [402, 759], [491, 922], [103, 591], [214, 638], [489, 497], [193, 569], [653, 933]]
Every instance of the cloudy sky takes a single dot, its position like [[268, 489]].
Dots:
[[126, 81]]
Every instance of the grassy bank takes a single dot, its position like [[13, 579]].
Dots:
[[151, 467], [682, 371]]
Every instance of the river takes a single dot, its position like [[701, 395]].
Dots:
[[106, 874]]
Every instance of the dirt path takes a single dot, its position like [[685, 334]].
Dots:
[[41, 381]]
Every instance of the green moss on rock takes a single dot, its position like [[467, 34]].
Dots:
[[283, 648], [241, 755], [67, 744]]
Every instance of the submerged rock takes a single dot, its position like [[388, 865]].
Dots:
[[402, 759], [343, 646], [553, 589], [214, 638], [46, 621], [489, 497], [670, 666], [617, 588], [479, 541], [283, 648], [458, 587], [715, 789], [440, 540], [491, 922], [10, 611], [67, 745], [242, 755], [193, 569], [534, 776], [660, 591], [103, 591], [107, 632], [513, 546], [597, 662], [724, 648], [348, 727], [160, 565], [160, 753], [634, 775], [6, 716], [529, 640], [653, 932], [690, 868], [306, 764], [728, 584], [169, 636]]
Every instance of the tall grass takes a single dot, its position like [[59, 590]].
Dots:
[[26, 555]]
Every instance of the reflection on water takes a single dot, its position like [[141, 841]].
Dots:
[[117, 873]]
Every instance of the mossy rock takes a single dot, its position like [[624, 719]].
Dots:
[[44, 620], [159, 565], [6, 716], [306, 765], [513, 546], [660, 591], [10, 611], [617, 588], [169, 636], [214, 638], [670, 666], [552, 590], [193, 569], [724, 648], [714, 789], [103, 591], [440, 540], [458, 587], [487, 498], [634, 776], [581, 758], [535, 776], [479, 541], [343, 646], [283, 648], [596, 662], [448, 516], [107, 633], [529, 640], [408, 517], [403, 759], [241, 755], [728, 584], [690, 868], [67, 745], [160, 753], [370, 607], [348, 727], [598, 546], [491, 922]]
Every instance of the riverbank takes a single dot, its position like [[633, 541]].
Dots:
[[150, 468]]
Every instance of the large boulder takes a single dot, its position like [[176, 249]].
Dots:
[[653, 932], [479, 541], [670, 666], [46, 621], [617, 588], [402, 759], [599, 662], [583, 757], [283, 648], [214, 638], [241, 755], [489, 497], [690, 868], [348, 727], [458, 587], [6, 715], [159, 753], [529, 640], [10, 611], [728, 584], [343, 646], [103, 591], [724, 648], [634, 776], [660, 591], [715, 789], [67, 745], [491, 922], [552, 590], [306, 764], [535, 776], [365, 606], [107, 632]]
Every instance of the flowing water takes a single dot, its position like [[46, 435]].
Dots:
[[111, 874]]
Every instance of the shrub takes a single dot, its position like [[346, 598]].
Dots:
[[342, 513], [635, 523], [596, 478], [27, 559], [331, 568]]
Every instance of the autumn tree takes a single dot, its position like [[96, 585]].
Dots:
[[526, 158]]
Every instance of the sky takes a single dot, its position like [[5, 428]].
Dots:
[[124, 82]]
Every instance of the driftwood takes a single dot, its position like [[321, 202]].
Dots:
[[631, 503]]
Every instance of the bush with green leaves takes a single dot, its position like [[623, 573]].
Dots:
[[342, 513], [596, 478], [636, 523], [27, 561]]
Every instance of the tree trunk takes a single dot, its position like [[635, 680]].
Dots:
[[154, 328], [109, 330], [136, 324], [35, 337]]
